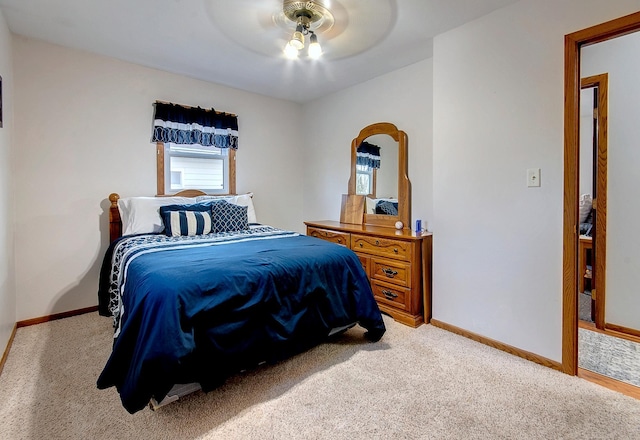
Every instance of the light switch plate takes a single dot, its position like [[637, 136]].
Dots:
[[533, 177]]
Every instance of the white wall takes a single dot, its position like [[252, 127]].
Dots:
[[83, 127], [7, 278], [498, 110], [387, 174], [586, 141], [620, 57], [404, 98]]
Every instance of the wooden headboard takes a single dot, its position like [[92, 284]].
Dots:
[[115, 222]]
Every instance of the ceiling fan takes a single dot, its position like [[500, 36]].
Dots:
[[282, 28], [307, 16]]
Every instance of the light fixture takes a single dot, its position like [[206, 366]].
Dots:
[[297, 39], [304, 14]]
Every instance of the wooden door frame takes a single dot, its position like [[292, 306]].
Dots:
[[573, 43], [599, 256]]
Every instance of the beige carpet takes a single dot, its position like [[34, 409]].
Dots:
[[414, 384]]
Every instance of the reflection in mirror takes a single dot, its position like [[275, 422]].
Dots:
[[367, 165], [387, 175], [364, 182], [379, 172]]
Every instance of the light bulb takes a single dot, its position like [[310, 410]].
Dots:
[[290, 52], [315, 51], [314, 47], [297, 39]]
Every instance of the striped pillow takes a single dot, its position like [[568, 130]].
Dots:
[[178, 223]]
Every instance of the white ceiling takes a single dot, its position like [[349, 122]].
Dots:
[[235, 43]]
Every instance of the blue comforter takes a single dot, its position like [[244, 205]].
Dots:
[[199, 310]]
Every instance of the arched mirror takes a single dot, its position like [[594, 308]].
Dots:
[[379, 172]]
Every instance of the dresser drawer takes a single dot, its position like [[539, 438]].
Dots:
[[383, 247], [365, 260], [328, 235], [395, 272], [395, 296]]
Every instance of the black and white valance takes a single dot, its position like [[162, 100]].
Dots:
[[177, 124], [368, 155]]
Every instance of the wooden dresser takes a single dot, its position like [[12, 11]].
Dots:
[[397, 262]]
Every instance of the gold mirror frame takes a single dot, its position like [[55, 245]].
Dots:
[[404, 185]]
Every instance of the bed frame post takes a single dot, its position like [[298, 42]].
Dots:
[[115, 225]]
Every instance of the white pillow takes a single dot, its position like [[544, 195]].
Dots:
[[370, 205], [140, 215], [241, 199], [584, 206], [247, 200]]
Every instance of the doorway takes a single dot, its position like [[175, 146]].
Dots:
[[592, 181], [571, 272]]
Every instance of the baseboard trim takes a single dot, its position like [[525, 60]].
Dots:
[[612, 384], [622, 329], [5, 355], [498, 345], [62, 315], [608, 331]]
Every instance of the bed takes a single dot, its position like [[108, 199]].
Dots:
[[202, 307], [387, 206]]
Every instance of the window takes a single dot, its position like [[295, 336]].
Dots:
[[208, 169], [364, 180], [196, 149], [176, 178], [196, 168]]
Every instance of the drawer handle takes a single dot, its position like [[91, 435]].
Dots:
[[395, 250], [377, 242], [339, 240], [389, 272], [389, 294], [361, 244]]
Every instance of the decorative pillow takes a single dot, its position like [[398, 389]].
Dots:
[[200, 207], [386, 207], [228, 217], [204, 207], [178, 223]]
